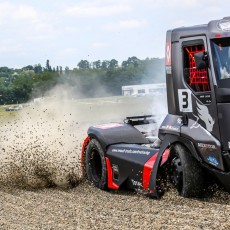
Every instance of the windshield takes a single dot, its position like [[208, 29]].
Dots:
[[221, 48]]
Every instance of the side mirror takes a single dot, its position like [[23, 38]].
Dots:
[[201, 60]]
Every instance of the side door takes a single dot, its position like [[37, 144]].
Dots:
[[198, 103], [197, 96]]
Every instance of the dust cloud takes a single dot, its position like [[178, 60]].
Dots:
[[41, 145]]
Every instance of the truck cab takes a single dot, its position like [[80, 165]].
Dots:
[[194, 137], [198, 93]]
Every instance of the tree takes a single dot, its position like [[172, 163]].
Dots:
[[21, 88], [67, 71], [113, 64], [44, 82], [28, 67], [124, 64], [103, 78], [97, 64], [131, 62], [48, 67], [5, 69], [6, 72], [83, 64], [105, 64], [38, 68]]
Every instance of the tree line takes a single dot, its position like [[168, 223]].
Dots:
[[88, 79]]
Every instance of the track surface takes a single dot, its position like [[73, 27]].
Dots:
[[31, 205], [86, 207]]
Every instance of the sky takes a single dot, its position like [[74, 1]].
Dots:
[[66, 32]]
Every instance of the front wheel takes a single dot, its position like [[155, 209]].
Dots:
[[186, 173], [95, 164]]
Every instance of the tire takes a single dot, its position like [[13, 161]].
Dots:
[[186, 173], [95, 165]]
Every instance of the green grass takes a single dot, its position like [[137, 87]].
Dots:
[[6, 116]]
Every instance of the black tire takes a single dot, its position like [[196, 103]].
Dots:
[[95, 165], [186, 173]]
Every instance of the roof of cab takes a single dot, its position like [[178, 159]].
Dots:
[[191, 31], [213, 29]]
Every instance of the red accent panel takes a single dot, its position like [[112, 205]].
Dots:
[[147, 171], [86, 141], [111, 184], [165, 156], [148, 167], [218, 35]]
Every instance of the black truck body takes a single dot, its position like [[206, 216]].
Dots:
[[194, 136]]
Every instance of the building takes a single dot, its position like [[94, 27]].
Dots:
[[141, 90]]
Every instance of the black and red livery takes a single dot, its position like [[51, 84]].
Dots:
[[194, 137]]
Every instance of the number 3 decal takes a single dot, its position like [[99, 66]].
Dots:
[[185, 100]]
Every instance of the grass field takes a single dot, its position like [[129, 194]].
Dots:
[[97, 109], [4, 115]]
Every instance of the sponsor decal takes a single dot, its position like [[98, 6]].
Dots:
[[170, 127], [109, 126], [203, 114], [224, 25], [136, 183], [205, 98], [185, 100], [207, 146], [131, 151], [213, 160], [168, 54], [168, 69], [179, 121]]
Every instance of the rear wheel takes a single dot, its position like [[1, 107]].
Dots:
[[95, 164], [185, 172]]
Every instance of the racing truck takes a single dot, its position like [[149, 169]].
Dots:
[[193, 139]]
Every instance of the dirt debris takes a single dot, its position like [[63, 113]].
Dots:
[[42, 146], [85, 207]]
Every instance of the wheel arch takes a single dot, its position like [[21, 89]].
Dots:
[[167, 142], [188, 144]]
